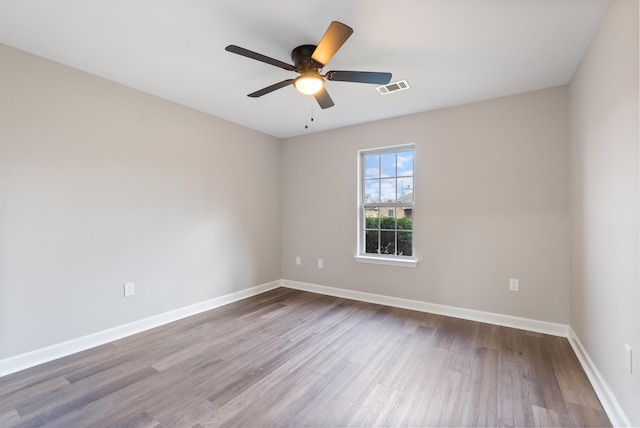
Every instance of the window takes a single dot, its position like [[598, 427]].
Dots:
[[386, 199]]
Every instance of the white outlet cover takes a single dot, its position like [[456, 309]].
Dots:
[[129, 289], [514, 284]]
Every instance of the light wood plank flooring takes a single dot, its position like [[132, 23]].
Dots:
[[288, 358]]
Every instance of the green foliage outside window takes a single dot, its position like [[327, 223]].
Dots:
[[389, 236]]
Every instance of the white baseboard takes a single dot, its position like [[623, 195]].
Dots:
[[50, 353], [607, 398], [452, 311]]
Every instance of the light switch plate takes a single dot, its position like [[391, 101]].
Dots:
[[129, 289]]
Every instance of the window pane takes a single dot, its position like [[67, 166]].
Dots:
[[371, 241], [372, 191], [405, 189], [388, 223], [388, 163], [403, 221], [408, 213], [405, 164], [372, 166], [388, 190], [405, 245], [387, 242], [401, 215], [371, 218]]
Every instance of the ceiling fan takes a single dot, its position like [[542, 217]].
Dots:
[[309, 60]]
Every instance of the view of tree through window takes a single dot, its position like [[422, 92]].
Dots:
[[387, 202]]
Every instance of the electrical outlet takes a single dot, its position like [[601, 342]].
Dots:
[[514, 284], [298, 260], [320, 263], [129, 289], [627, 358]]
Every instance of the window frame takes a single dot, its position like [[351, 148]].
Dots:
[[386, 259]]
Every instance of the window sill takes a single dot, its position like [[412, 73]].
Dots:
[[387, 261]]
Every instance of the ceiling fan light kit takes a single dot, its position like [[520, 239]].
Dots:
[[309, 83], [309, 61]]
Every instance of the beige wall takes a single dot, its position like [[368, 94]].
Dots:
[[101, 185], [605, 288], [492, 203]]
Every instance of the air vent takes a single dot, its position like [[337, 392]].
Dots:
[[400, 85]]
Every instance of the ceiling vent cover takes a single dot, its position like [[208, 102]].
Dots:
[[400, 85]]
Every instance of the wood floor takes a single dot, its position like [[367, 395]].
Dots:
[[296, 359]]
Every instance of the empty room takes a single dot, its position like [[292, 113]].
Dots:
[[319, 214]]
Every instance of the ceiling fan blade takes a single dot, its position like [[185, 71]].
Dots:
[[333, 39], [258, 57], [271, 88], [359, 77], [324, 99]]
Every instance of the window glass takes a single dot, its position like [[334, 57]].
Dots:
[[372, 166], [372, 191], [405, 164], [388, 190], [388, 165]]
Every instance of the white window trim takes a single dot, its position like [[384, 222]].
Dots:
[[387, 260], [381, 259]]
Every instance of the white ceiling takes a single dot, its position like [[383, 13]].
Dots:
[[451, 51]]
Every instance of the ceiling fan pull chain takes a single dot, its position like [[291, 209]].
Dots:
[[306, 111], [311, 104]]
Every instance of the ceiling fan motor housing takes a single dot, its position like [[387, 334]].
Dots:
[[301, 57]]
